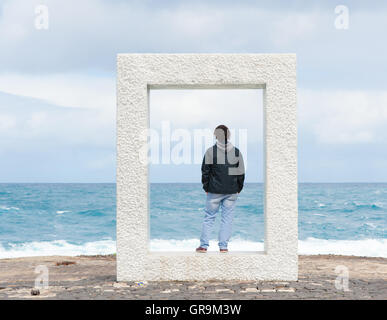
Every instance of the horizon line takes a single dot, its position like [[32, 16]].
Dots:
[[166, 182]]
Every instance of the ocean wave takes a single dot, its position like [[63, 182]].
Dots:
[[57, 248], [364, 247], [310, 246], [92, 213], [8, 208], [372, 206]]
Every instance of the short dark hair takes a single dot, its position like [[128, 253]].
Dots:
[[222, 133]]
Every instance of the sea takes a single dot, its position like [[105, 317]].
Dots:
[[80, 219]]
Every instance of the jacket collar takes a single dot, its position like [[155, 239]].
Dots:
[[224, 146]]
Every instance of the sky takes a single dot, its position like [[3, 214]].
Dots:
[[58, 89], [184, 111]]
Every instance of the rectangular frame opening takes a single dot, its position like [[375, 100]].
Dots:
[[151, 87]]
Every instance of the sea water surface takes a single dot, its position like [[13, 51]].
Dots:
[[73, 219]]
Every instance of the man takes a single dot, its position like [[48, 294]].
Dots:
[[223, 175]]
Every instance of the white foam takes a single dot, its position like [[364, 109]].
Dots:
[[9, 208], [57, 248], [365, 247], [191, 244], [310, 246]]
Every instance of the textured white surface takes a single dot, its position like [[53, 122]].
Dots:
[[276, 73]]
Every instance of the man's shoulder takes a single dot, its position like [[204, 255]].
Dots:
[[212, 149], [237, 152]]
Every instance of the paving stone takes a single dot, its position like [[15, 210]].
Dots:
[[224, 290], [250, 290], [286, 289], [267, 290], [166, 291], [103, 286], [120, 285]]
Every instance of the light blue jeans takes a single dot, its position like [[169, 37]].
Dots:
[[213, 202]]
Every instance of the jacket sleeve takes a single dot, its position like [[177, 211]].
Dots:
[[206, 168], [241, 177]]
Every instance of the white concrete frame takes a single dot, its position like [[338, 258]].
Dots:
[[276, 74]]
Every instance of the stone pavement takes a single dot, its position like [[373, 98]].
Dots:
[[94, 278]]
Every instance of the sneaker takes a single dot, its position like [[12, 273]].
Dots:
[[201, 250], [223, 250]]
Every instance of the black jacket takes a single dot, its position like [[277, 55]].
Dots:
[[223, 172]]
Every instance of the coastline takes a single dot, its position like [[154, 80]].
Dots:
[[93, 277]]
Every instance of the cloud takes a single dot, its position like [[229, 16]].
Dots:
[[68, 90], [33, 124], [88, 114], [42, 142], [189, 22], [330, 117], [85, 36], [206, 109], [344, 116]]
